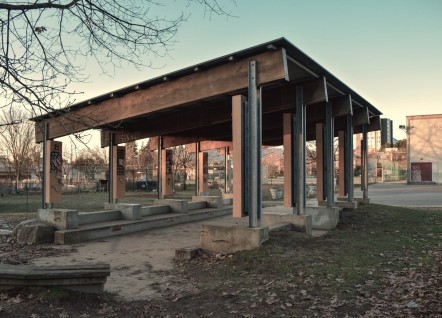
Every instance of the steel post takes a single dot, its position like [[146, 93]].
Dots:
[[197, 170], [349, 170], [299, 157], [364, 159], [110, 185], [160, 168], [329, 155], [254, 151], [45, 157]]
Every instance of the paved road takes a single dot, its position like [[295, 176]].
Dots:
[[401, 194]]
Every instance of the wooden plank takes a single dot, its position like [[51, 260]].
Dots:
[[375, 124], [315, 91], [342, 106], [360, 116], [210, 145], [199, 86]]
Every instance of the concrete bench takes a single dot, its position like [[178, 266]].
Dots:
[[87, 278]]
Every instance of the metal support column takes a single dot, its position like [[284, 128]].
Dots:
[[226, 169], [110, 186], [254, 151], [349, 169], [364, 159], [45, 155], [160, 169], [299, 152], [197, 170], [329, 155]]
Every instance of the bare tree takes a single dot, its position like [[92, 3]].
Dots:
[[45, 44], [16, 144], [182, 159]]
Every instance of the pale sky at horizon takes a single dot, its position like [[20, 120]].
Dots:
[[389, 52]]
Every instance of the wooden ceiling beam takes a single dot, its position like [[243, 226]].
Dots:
[[220, 80]]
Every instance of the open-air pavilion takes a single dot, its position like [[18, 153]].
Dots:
[[267, 95]]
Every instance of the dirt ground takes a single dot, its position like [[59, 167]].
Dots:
[[139, 261]]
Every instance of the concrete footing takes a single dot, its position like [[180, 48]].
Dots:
[[60, 219], [347, 205], [363, 201], [226, 239], [323, 218], [300, 223]]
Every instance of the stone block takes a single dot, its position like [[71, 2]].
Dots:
[[323, 218], [215, 202], [300, 223], [227, 239], [187, 253], [177, 206], [60, 219], [33, 232]]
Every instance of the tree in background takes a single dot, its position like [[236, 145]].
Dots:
[[132, 164], [146, 158], [273, 159], [46, 44], [17, 145], [91, 162]]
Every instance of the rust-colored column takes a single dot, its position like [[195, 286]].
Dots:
[[237, 134], [53, 173], [166, 172], [203, 175], [320, 162], [118, 173], [288, 159], [341, 177]]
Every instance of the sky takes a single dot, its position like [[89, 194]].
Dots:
[[388, 51]]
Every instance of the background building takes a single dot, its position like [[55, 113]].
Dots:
[[424, 140], [386, 132]]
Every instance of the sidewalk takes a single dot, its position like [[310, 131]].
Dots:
[[401, 194]]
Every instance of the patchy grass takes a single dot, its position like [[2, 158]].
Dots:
[[340, 273]]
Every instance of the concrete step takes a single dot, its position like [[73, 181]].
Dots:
[[117, 227], [196, 205], [98, 216], [155, 210]]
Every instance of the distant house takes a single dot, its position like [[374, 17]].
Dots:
[[5, 170]]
